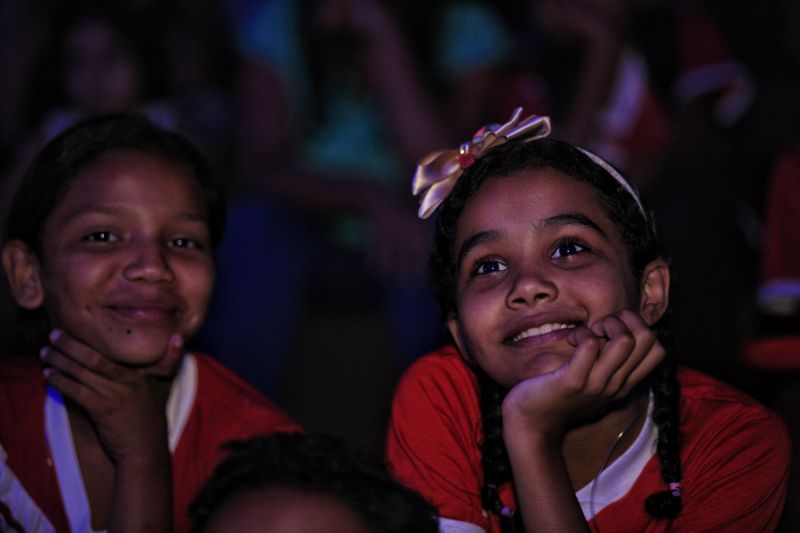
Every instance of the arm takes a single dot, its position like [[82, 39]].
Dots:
[[127, 409], [610, 359], [597, 28]]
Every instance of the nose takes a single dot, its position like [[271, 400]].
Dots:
[[149, 261], [529, 288]]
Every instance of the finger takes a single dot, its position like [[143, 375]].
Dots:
[[617, 358], [644, 339], [587, 349], [71, 388], [85, 355], [167, 365], [67, 366]]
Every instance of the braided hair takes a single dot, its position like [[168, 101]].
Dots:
[[643, 246]]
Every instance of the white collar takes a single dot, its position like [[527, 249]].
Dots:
[[619, 476]]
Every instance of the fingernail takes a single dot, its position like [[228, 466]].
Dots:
[[46, 372], [54, 335], [177, 341], [43, 352]]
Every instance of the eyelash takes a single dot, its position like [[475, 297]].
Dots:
[[190, 243], [108, 236], [578, 247], [95, 237], [483, 262]]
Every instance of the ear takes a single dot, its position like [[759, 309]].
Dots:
[[655, 291], [23, 271], [454, 327]]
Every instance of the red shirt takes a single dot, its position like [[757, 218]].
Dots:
[[735, 454], [217, 407]]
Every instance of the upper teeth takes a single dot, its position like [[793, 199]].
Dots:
[[541, 330]]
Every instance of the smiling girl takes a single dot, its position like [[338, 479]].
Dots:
[[560, 407], [108, 255]]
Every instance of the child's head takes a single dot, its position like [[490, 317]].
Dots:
[[634, 227], [296, 482], [110, 236]]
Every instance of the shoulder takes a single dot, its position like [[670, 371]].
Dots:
[[436, 404], [724, 429], [735, 455], [434, 435], [443, 367], [226, 398], [703, 397], [438, 379], [21, 374], [709, 406]]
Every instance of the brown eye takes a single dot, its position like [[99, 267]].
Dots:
[[100, 236], [567, 249], [184, 242], [489, 266]]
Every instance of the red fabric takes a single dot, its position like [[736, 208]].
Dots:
[[700, 42], [781, 258], [22, 394], [735, 454], [225, 408], [773, 353]]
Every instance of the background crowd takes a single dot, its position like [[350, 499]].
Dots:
[[314, 113]]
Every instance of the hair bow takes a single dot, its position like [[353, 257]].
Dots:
[[438, 172]]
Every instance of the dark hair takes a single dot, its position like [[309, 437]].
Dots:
[[321, 464], [55, 167], [643, 245]]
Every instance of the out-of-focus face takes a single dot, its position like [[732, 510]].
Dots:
[[284, 510], [126, 259], [537, 256], [101, 74]]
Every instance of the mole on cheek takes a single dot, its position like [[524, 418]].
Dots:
[[128, 331]]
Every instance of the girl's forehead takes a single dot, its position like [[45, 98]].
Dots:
[[530, 196], [125, 177]]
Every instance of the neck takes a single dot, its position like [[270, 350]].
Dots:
[[591, 447]]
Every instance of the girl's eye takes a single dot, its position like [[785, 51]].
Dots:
[[184, 242], [568, 248], [488, 266], [100, 236]]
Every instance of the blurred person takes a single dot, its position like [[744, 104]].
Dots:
[[335, 104]]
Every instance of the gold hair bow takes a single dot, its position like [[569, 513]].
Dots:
[[438, 172]]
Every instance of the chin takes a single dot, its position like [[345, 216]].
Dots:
[[543, 364], [137, 352]]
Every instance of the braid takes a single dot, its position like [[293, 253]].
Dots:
[[666, 416], [494, 457]]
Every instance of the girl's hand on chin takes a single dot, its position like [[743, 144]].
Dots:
[[611, 357], [127, 406]]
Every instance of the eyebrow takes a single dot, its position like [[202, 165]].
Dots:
[[569, 219], [554, 222], [112, 210], [475, 240]]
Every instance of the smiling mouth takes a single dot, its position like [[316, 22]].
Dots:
[[538, 331], [145, 314]]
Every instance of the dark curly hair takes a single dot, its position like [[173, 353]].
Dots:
[[639, 235], [316, 463]]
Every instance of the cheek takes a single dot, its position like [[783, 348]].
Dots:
[[198, 284]]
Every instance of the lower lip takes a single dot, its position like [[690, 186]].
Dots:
[[556, 335], [144, 315]]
